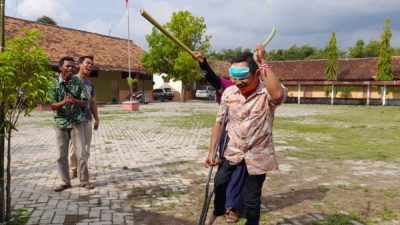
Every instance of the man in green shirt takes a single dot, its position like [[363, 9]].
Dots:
[[69, 98]]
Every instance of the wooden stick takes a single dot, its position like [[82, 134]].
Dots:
[[167, 33]]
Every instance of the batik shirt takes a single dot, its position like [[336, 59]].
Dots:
[[71, 115], [250, 128]]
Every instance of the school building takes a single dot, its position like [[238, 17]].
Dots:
[[110, 54]]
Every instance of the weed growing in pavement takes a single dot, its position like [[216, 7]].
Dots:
[[390, 193], [138, 191], [203, 147], [353, 187], [169, 193], [388, 214], [21, 217], [108, 167]]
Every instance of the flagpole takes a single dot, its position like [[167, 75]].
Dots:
[[129, 50]]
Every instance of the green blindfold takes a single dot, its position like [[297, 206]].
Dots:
[[239, 72]]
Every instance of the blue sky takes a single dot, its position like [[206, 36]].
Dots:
[[231, 23]]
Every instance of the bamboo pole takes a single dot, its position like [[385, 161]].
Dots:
[[166, 33]]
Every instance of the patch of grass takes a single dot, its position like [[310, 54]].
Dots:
[[169, 193], [353, 187], [390, 193], [318, 205], [203, 147], [351, 132], [195, 120], [108, 167], [388, 214], [340, 219], [151, 110], [21, 217], [138, 191], [322, 188]]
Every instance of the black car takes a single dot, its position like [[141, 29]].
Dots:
[[162, 94]]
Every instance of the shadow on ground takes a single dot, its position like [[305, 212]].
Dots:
[[293, 197]]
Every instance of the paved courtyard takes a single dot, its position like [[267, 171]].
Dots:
[[147, 169], [126, 151]]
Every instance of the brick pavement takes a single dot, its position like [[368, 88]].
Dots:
[[125, 143]]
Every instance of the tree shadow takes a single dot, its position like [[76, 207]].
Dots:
[[293, 197], [306, 219], [151, 217]]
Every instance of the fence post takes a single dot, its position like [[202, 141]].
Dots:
[[384, 95], [368, 93], [298, 93]]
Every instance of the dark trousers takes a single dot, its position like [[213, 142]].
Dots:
[[252, 192]]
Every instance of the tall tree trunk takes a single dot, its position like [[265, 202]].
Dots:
[[2, 149], [8, 185], [2, 117], [183, 91]]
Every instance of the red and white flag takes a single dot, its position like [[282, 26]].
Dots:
[[126, 4]]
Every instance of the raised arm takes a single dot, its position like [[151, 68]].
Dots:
[[268, 76], [209, 74]]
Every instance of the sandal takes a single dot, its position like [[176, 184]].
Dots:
[[232, 216], [62, 187], [88, 186]]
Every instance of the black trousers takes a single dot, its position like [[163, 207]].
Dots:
[[252, 192]]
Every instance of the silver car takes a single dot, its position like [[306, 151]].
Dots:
[[208, 92]]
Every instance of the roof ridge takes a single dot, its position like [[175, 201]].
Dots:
[[68, 28]]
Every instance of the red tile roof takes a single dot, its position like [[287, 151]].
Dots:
[[360, 69], [110, 52]]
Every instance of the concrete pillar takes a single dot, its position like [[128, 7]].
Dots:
[[298, 93], [368, 93]]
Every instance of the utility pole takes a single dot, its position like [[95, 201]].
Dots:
[[2, 118]]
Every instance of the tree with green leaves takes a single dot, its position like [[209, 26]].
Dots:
[[331, 69], [25, 78], [332, 53], [46, 20], [227, 54], [358, 50], [384, 66], [372, 49], [164, 56]]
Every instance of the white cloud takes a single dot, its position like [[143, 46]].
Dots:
[[233, 23], [139, 26], [99, 26], [33, 9]]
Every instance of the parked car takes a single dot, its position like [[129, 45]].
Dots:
[[162, 94], [208, 92]]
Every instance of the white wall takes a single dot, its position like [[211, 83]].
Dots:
[[159, 81]]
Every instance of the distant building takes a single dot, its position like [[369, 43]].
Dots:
[[305, 80], [111, 56]]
